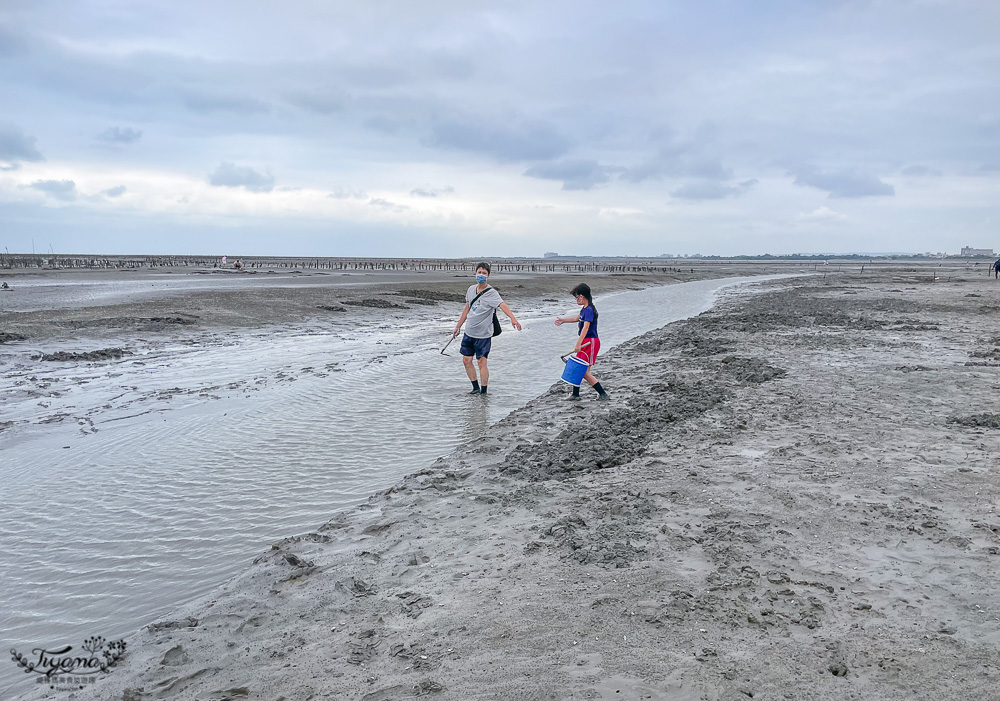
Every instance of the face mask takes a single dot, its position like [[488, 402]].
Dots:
[[480, 279]]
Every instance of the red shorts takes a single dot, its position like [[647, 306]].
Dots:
[[589, 350]]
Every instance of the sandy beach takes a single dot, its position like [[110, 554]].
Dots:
[[791, 496]]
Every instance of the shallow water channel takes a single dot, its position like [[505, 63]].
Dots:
[[194, 458]]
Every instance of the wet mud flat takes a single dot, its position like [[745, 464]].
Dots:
[[792, 496], [165, 302]]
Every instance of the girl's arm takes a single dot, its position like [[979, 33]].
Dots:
[[583, 335], [461, 320], [506, 310], [567, 320]]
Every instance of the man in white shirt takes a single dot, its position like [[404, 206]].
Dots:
[[481, 304]]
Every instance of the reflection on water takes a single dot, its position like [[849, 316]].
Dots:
[[475, 419], [202, 455]]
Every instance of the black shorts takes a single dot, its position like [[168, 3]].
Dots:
[[479, 347]]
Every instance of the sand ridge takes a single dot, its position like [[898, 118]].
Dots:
[[781, 501]]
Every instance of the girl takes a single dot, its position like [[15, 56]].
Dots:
[[587, 343]]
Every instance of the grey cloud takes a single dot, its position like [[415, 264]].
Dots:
[[386, 204], [11, 44], [117, 191], [576, 175], [375, 75], [225, 103], [711, 190], [119, 135], [320, 103], [16, 146], [420, 192], [64, 190], [921, 171], [679, 161], [232, 175], [343, 194], [384, 124], [516, 141], [844, 183]]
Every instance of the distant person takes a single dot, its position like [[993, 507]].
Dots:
[[5, 286], [996, 269], [479, 317], [587, 342]]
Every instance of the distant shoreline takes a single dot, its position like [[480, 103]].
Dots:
[[12, 263]]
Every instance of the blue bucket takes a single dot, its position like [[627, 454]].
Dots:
[[574, 371]]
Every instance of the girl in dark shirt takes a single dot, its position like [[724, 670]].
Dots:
[[587, 342]]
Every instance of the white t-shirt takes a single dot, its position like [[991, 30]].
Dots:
[[479, 323]]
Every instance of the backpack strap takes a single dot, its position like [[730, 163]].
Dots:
[[488, 288]]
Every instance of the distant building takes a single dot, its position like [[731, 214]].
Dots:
[[551, 254], [966, 251]]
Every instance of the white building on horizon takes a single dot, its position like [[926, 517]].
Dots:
[[967, 251]]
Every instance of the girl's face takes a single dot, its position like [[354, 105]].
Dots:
[[581, 300]]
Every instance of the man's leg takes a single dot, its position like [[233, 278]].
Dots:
[[470, 371], [484, 374]]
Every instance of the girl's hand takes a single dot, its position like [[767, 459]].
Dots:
[[559, 322]]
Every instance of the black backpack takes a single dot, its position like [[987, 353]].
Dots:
[[497, 329]]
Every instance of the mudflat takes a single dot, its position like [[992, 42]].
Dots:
[[792, 495], [93, 304]]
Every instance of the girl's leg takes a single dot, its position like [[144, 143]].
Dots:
[[601, 394]]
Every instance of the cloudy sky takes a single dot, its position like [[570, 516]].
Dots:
[[458, 128]]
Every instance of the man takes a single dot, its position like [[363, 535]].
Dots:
[[481, 303], [996, 269]]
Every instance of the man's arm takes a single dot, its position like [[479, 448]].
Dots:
[[461, 320], [506, 310]]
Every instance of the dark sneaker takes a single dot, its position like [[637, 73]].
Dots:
[[573, 398], [604, 397], [475, 391]]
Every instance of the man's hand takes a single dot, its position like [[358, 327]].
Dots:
[[458, 330], [516, 324]]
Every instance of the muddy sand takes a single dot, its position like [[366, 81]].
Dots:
[[792, 496], [165, 302]]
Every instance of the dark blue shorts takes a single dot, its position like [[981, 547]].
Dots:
[[480, 347]]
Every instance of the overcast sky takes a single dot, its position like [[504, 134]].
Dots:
[[461, 128]]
